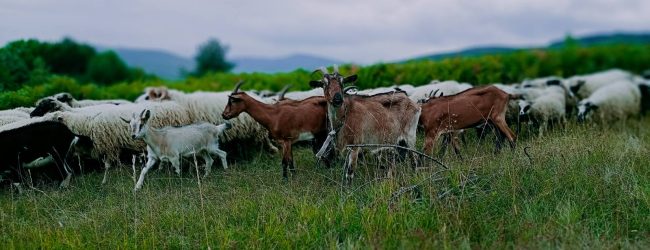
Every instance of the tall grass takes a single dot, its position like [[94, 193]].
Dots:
[[583, 187]]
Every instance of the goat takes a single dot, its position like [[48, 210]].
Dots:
[[466, 109], [287, 121], [384, 118], [205, 106], [172, 143], [110, 136]]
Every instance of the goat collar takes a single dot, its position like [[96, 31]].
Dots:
[[332, 134]]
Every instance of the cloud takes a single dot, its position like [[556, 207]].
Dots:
[[362, 31]]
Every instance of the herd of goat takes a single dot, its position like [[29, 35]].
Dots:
[[170, 125]]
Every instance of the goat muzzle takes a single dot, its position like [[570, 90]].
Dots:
[[337, 101]]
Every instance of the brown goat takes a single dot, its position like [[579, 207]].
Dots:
[[467, 109], [287, 121], [389, 118]]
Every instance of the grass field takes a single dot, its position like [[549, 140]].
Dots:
[[585, 187]]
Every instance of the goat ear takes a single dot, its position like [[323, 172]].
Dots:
[[316, 84], [350, 79]]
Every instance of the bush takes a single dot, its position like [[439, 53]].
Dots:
[[505, 68]]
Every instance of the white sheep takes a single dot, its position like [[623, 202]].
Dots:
[[539, 82], [616, 101], [18, 112], [72, 102], [173, 143], [548, 108], [446, 88], [583, 86], [301, 95], [13, 115], [208, 107], [110, 135]]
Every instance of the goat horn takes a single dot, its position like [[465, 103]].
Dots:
[[283, 91], [238, 85], [322, 70], [433, 95]]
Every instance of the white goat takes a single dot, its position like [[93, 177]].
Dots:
[[208, 106], [173, 143], [109, 134]]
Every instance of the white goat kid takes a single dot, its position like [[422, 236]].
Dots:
[[172, 143]]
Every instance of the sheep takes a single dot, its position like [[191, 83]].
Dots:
[[72, 102], [616, 101], [583, 86], [110, 136], [25, 148], [408, 88], [208, 106], [13, 115], [547, 108], [301, 95], [172, 143], [51, 104], [446, 88], [17, 112], [539, 82]]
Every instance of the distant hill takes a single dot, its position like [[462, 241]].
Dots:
[[283, 64], [599, 39], [168, 65], [478, 51], [589, 40]]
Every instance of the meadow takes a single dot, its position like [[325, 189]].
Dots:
[[587, 186]]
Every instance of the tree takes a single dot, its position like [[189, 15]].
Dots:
[[13, 71], [69, 57], [211, 57], [106, 68]]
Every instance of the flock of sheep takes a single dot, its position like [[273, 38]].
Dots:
[[170, 125]]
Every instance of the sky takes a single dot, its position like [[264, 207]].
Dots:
[[359, 31]]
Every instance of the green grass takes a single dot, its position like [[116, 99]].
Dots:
[[587, 187]]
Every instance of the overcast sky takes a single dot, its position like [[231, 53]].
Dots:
[[361, 31]]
